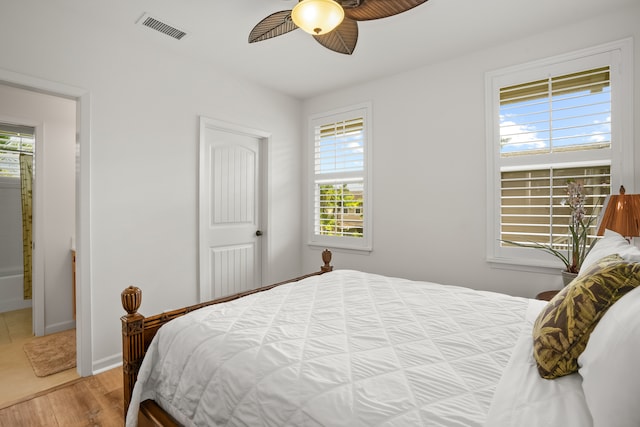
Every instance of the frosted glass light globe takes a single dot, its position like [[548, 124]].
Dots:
[[317, 16]]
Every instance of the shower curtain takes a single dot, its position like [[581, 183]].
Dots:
[[26, 179]]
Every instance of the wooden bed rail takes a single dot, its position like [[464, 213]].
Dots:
[[138, 331]]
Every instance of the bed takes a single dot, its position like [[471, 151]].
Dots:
[[350, 348]]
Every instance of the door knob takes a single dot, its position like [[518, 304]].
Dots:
[[258, 233]]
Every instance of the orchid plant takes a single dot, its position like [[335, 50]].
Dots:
[[579, 225]]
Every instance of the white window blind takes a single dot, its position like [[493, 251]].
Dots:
[[339, 177], [339, 168], [549, 122], [561, 113], [566, 113], [13, 141], [533, 203]]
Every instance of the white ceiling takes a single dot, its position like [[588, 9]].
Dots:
[[297, 65]]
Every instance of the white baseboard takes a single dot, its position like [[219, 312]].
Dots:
[[59, 327], [106, 364], [14, 304]]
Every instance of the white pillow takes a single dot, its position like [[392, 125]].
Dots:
[[609, 365], [611, 243]]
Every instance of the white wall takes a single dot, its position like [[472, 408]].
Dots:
[[54, 119], [145, 104], [11, 265], [429, 160], [11, 295]]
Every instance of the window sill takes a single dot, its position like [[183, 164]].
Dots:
[[347, 248], [530, 266]]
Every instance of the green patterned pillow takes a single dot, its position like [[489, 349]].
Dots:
[[562, 329]]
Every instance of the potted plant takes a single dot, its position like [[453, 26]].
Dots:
[[579, 225]]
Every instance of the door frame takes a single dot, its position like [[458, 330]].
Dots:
[[265, 138], [84, 356], [38, 236]]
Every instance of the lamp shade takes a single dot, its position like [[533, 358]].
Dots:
[[317, 16], [622, 215]]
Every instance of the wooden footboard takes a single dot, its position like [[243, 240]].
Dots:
[[138, 331]]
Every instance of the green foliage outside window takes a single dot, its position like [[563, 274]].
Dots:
[[341, 211]]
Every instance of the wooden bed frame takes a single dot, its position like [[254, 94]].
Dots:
[[138, 331]]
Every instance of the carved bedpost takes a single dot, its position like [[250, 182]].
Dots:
[[132, 340], [326, 258]]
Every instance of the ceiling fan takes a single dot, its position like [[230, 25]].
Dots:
[[333, 23]]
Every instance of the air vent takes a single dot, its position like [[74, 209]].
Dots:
[[164, 28]]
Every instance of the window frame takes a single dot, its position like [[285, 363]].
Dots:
[[17, 131], [619, 57], [363, 243]]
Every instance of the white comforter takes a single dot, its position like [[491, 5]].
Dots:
[[524, 399], [343, 349]]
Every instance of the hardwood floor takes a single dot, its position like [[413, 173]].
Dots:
[[62, 399], [90, 401], [17, 379]]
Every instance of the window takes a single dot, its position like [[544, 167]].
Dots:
[[550, 123], [339, 174], [533, 204], [560, 113], [13, 141]]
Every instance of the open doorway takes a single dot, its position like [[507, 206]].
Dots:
[[37, 288], [81, 98], [17, 144], [53, 204]]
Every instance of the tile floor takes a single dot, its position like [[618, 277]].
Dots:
[[17, 379]]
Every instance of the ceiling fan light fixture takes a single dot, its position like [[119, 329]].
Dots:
[[317, 17]]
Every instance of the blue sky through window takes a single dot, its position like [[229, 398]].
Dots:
[[340, 153], [574, 119]]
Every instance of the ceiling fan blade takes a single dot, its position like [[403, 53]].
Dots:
[[276, 24], [343, 39], [377, 9]]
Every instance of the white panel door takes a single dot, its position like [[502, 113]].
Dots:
[[230, 202]]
